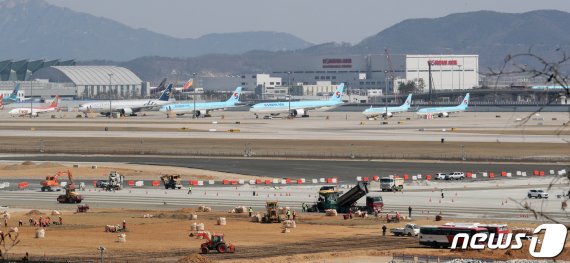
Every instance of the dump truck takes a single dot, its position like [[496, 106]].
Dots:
[[341, 202], [391, 184], [171, 181], [272, 215]]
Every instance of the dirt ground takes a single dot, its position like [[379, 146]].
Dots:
[[164, 238], [31, 170]]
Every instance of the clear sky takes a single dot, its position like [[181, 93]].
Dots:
[[317, 21]]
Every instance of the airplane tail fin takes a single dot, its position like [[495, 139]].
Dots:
[[54, 102], [165, 96], [188, 84], [235, 96], [337, 96], [408, 102], [1, 100], [14, 94], [465, 103]]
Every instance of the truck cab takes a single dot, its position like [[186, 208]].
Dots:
[[391, 184], [374, 203]]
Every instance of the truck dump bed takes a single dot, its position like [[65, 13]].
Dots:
[[345, 201]]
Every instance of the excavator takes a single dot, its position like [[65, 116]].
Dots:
[[70, 196], [51, 181]]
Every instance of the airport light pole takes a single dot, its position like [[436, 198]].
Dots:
[[289, 91], [194, 95], [386, 95], [462, 152], [31, 97], [110, 95]]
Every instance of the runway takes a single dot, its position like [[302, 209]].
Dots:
[[488, 201], [344, 170]]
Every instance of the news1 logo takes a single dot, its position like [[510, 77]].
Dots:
[[552, 242]]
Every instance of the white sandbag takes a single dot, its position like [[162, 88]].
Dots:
[[55, 213], [40, 233], [207, 209], [193, 217], [200, 227], [194, 227], [122, 238], [6, 215], [331, 212], [289, 224], [221, 221], [14, 229], [240, 209]]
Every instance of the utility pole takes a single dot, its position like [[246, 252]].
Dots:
[[289, 91], [31, 97], [110, 94], [194, 95], [386, 95]]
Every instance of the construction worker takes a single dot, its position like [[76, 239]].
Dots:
[[442, 196], [294, 215], [410, 211], [250, 211], [60, 221], [304, 208], [387, 218], [189, 189], [20, 223], [5, 222], [384, 229], [288, 214], [124, 224], [398, 217]]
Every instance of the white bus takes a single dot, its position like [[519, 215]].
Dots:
[[442, 236]]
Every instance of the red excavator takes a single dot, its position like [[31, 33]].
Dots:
[[70, 196], [51, 181], [217, 242]]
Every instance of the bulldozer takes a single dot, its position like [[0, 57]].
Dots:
[[70, 196], [52, 181], [171, 181], [272, 215], [216, 242]]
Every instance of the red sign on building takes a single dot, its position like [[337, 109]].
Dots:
[[443, 62], [337, 63]]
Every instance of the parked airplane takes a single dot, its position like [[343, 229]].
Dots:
[[445, 111], [186, 86], [381, 111], [202, 108], [127, 107], [299, 108], [161, 86], [13, 96], [23, 111]]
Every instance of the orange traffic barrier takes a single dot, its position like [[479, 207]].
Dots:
[[376, 178], [267, 181], [94, 183], [258, 181], [131, 183], [406, 177], [491, 175], [428, 177], [194, 182], [287, 180], [23, 185], [541, 173], [329, 180], [155, 183], [226, 181], [536, 173], [469, 174], [503, 174], [234, 182], [366, 179]]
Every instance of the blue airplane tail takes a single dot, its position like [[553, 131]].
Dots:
[[465, 103], [337, 96], [165, 96], [235, 96], [14, 95], [408, 102]]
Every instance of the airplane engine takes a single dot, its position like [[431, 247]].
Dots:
[[443, 114], [298, 112], [127, 112], [389, 115], [201, 113]]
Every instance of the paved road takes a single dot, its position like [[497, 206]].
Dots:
[[345, 170]]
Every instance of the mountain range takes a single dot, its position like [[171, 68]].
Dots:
[[37, 29]]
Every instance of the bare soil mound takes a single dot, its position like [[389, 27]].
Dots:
[[35, 212], [195, 258]]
